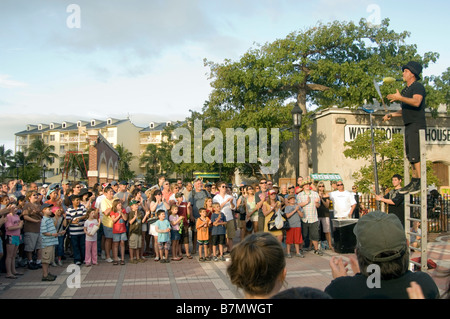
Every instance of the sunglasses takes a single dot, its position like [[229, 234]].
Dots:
[[263, 182], [339, 184]]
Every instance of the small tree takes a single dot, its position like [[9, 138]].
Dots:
[[125, 158]]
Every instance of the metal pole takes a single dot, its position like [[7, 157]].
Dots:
[[375, 169], [297, 153]]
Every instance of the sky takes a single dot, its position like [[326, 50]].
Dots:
[[144, 59]]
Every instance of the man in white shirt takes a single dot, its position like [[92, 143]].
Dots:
[[227, 205], [343, 201]]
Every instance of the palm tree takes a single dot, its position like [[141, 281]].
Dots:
[[6, 157], [125, 158], [40, 152], [151, 158]]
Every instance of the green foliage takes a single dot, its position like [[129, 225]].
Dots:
[[41, 153], [326, 65], [390, 160], [125, 158]]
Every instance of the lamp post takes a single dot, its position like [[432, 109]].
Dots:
[[297, 123], [44, 168]]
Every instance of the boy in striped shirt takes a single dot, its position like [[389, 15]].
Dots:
[[76, 216]]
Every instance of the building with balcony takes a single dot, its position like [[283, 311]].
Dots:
[[72, 136]]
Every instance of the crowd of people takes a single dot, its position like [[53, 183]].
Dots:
[[171, 221]]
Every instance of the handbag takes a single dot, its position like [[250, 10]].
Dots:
[[278, 222]]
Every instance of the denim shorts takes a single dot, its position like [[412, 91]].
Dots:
[[120, 237], [107, 231], [175, 234]]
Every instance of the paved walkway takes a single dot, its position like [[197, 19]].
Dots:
[[185, 279]]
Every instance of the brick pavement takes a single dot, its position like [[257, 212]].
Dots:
[[185, 279]]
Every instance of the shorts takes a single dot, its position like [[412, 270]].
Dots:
[[119, 237], [164, 245], [175, 234], [294, 236], [325, 221], [218, 240], [184, 238], [242, 224], [135, 241], [412, 142], [231, 229], [48, 254], [108, 232], [32, 241], [202, 242], [12, 240], [311, 230]]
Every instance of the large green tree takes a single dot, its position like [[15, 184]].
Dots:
[[325, 65]]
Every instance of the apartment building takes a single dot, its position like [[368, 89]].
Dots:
[[71, 136]]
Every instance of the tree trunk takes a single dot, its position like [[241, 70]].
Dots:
[[304, 149]]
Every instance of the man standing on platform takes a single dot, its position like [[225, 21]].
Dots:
[[412, 99]]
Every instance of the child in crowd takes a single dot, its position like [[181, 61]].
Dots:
[[91, 226], [76, 215], [162, 227], [294, 233], [119, 218], [202, 227], [49, 241], [13, 226], [218, 231], [60, 224], [184, 211], [135, 220], [175, 222]]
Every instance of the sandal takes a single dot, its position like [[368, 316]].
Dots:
[[122, 262], [115, 262], [11, 277], [189, 256], [18, 274]]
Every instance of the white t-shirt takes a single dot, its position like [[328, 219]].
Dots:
[[226, 209], [342, 203], [89, 224]]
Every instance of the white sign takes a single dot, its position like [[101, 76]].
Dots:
[[433, 135]]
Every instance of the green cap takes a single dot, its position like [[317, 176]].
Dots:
[[377, 233]]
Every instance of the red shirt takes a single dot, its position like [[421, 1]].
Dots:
[[119, 226], [182, 211]]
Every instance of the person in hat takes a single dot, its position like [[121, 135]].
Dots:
[[309, 201], [86, 198], [381, 264], [412, 101], [49, 241], [294, 233]]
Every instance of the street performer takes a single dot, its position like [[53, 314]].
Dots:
[[412, 99]]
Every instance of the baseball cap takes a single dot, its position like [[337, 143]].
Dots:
[[114, 183], [291, 196], [377, 233], [272, 192], [123, 183], [133, 202], [45, 205]]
